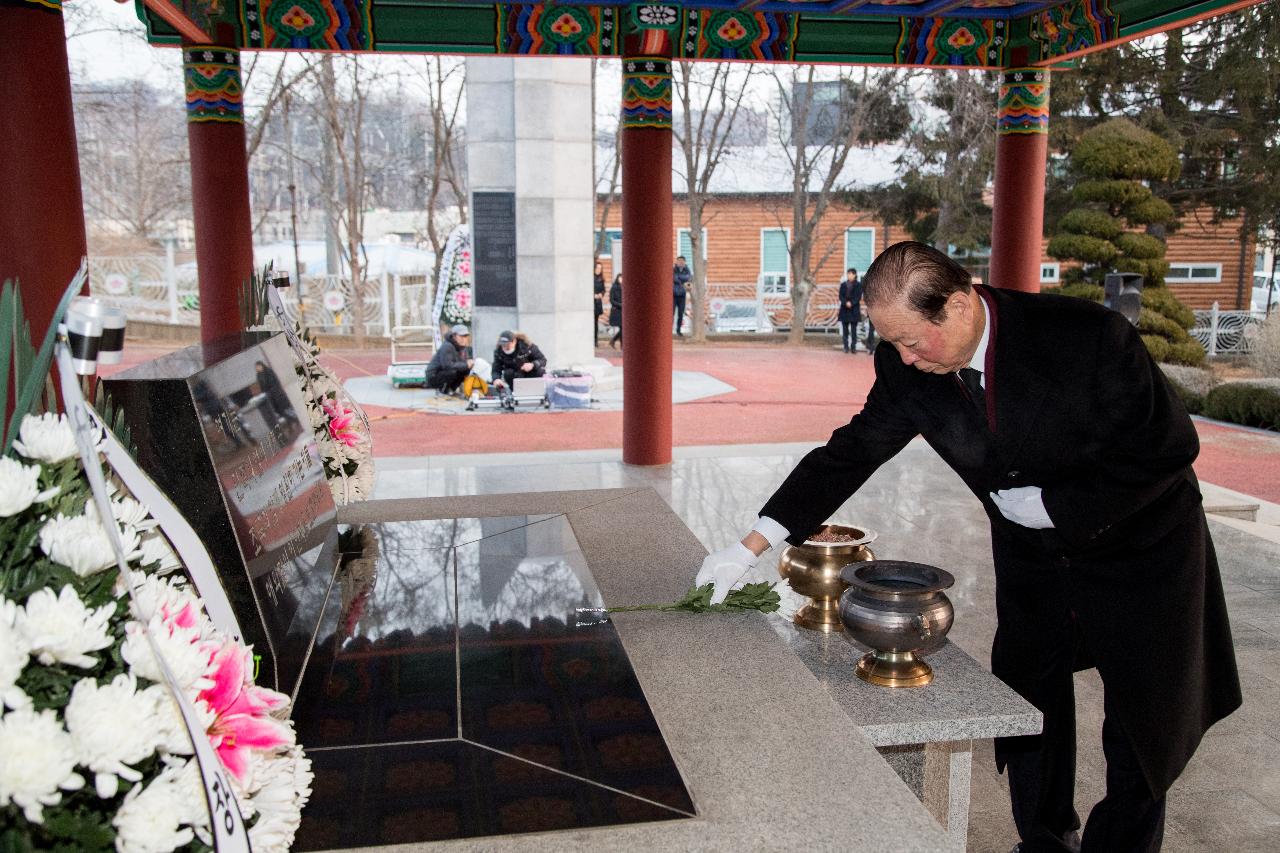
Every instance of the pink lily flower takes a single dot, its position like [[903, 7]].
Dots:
[[341, 423], [243, 720]]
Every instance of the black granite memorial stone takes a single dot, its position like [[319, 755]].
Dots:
[[493, 222], [223, 430], [456, 694]]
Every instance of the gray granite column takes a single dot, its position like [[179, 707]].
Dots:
[[529, 152]]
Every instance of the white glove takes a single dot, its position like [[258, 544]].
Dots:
[[727, 568], [1023, 505]]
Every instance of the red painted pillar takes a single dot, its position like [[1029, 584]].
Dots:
[[219, 184], [1022, 146], [647, 259], [42, 239]]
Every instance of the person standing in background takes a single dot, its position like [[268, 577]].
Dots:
[[681, 275], [598, 287], [615, 310], [850, 309]]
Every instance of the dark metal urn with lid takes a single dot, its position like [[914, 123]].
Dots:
[[899, 610]]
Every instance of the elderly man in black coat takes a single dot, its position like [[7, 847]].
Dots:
[[1054, 415]]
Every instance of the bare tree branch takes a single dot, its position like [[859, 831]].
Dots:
[[711, 96]]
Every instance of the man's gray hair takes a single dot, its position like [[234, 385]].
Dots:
[[918, 273]]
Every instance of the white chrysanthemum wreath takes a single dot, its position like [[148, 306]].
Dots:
[[93, 752]]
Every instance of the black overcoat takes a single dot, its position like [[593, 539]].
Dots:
[[850, 291], [615, 305], [1080, 410]]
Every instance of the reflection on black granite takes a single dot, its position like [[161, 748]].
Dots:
[[509, 717], [222, 428]]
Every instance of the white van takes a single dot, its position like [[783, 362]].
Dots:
[[1260, 295]]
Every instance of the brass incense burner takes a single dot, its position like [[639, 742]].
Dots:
[[813, 569], [899, 610]]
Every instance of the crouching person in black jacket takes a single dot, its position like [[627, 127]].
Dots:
[[516, 357], [451, 362]]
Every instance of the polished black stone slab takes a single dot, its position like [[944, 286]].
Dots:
[[450, 789], [223, 429], [455, 642]]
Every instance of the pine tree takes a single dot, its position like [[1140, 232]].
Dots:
[[1113, 165]]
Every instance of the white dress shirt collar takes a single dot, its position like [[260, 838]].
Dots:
[[979, 360]]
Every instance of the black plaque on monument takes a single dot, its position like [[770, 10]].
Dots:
[[493, 229], [223, 429]]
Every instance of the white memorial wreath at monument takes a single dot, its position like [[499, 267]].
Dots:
[[95, 750], [340, 427]]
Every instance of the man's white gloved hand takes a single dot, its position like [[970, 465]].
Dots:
[[727, 568], [1023, 505]]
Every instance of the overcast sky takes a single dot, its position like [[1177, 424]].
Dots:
[[106, 41]]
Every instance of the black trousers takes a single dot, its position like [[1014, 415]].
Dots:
[[849, 334], [510, 375], [679, 312], [1042, 768], [449, 378]]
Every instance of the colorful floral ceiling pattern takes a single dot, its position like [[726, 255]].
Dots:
[[646, 92], [762, 36], [972, 33], [567, 30], [307, 24], [1073, 26], [951, 41], [1024, 102], [213, 89]]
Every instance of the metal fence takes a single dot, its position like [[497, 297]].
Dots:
[[754, 308], [154, 289], [1227, 332]]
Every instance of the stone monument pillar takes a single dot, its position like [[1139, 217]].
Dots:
[[529, 169]]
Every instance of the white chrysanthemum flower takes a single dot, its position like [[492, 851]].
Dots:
[[39, 762], [155, 819], [362, 480], [47, 438], [171, 600], [282, 787], [60, 629], [20, 487], [319, 420], [131, 513], [187, 654], [172, 737], [156, 549], [112, 727], [14, 654], [81, 542]]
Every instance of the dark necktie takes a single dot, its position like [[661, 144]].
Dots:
[[972, 380]]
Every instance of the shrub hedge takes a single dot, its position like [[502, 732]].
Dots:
[[1254, 403]]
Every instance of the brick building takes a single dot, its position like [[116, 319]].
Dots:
[[746, 253]]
